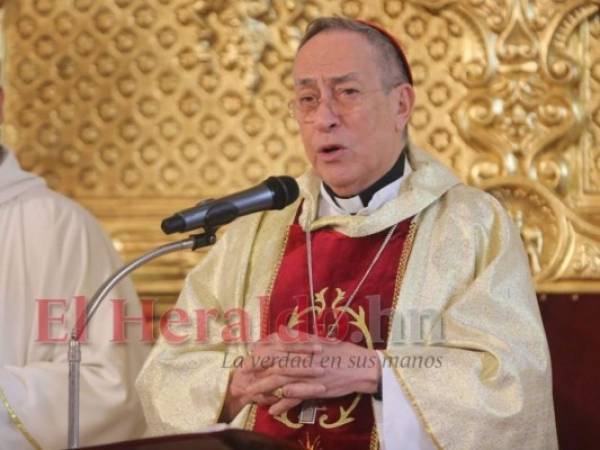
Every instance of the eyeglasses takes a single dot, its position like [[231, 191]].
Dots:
[[342, 101]]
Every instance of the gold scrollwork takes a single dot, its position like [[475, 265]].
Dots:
[[358, 320], [116, 101]]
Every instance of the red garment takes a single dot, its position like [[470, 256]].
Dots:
[[339, 262]]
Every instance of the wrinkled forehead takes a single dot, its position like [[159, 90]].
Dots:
[[335, 56], [332, 80]]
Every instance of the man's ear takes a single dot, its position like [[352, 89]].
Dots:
[[404, 102]]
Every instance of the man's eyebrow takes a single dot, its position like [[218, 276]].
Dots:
[[334, 80], [352, 76], [305, 82]]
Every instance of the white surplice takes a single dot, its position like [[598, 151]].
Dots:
[[53, 249]]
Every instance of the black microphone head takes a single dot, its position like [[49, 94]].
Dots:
[[285, 190], [173, 224]]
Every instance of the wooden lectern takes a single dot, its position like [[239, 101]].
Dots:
[[220, 440]]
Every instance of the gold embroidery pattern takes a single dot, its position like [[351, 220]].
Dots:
[[315, 445], [344, 418], [264, 316], [264, 312], [17, 422], [374, 444], [359, 321], [251, 419], [284, 419], [406, 251]]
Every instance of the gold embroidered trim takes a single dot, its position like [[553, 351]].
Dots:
[[251, 419], [400, 278], [406, 251], [374, 444], [264, 319], [17, 422]]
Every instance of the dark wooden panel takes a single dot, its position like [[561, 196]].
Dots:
[[573, 327]]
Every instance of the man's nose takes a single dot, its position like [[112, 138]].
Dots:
[[326, 116]]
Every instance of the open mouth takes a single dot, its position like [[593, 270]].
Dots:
[[330, 148]]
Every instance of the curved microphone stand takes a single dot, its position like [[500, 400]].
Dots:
[[193, 242]]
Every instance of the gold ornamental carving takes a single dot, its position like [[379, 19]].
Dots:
[[137, 108]]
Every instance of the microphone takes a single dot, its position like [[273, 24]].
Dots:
[[273, 193]]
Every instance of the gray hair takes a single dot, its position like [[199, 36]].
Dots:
[[390, 54]]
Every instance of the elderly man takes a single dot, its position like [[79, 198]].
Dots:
[[391, 306]]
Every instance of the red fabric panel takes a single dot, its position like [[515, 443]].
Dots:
[[573, 330], [339, 261]]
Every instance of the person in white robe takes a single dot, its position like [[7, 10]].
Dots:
[[53, 249]]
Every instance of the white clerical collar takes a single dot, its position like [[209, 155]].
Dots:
[[353, 205]]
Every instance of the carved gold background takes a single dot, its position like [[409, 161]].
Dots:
[[138, 108]]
